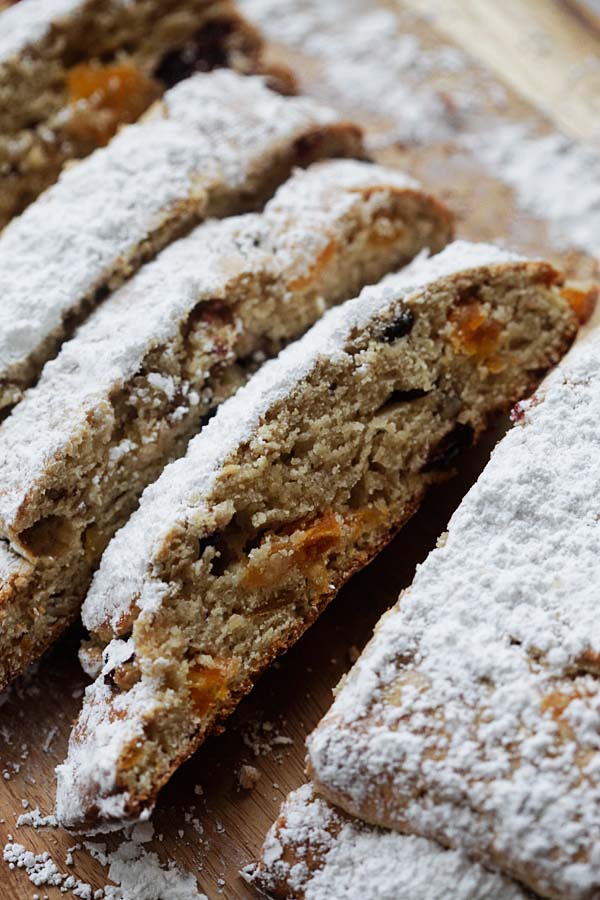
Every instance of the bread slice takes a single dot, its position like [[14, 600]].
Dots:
[[472, 717], [315, 852], [294, 484], [72, 71], [215, 145], [136, 382]]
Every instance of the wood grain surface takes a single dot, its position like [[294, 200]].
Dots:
[[204, 821]]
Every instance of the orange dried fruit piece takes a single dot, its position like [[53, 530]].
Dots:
[[300, 546], [557, 701], [474, 334], [115, 94], [132, 754], [582, 299], [209, 683], [323, 260]]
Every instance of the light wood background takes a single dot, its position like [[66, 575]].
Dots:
[[548, 56]]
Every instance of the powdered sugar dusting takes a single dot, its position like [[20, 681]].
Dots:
[[383, 70], [337, 858], [136, 873], [30, 21], [140, 876], [478, 698], [555, 178], [35, 819], [374, 66]]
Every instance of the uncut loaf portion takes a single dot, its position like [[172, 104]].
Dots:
[[72, 71], [472, 717], [215, 145], [125, 395], [316, 852], [296, 483]]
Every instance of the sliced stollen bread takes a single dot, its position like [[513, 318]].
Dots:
[[215, 145], [315, 852], [295, 483], [72, 71], [472, 717], [125, 395]]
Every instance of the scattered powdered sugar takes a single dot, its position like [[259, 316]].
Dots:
[[35, 819], [554, 177], [40, 868], [140, 876], [136, 873], [367, 61], [28, 22], [490, 662], [319, 854]]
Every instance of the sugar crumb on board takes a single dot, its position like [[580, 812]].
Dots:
[[136, 873]]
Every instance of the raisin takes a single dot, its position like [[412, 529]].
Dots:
[[449, 448], [206, 52], [399, 327]]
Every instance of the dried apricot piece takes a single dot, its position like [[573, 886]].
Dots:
[[209, 682], [582, 300], [112, 94], [300, 546], [474, 334], [323, 259]]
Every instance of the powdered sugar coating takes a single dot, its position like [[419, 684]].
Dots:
[[185, 485], [524, 160], [477, 701], [283, 243], [30, 21], [91, 225], [334, 857]]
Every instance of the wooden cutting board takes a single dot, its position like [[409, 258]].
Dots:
[[205, 821]]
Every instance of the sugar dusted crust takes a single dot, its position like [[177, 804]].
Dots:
[[472, 717], [294, 484], [315, 852], [217, 144], [73, 71]]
